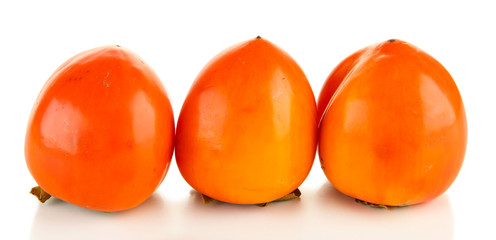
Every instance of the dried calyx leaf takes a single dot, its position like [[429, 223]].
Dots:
[[39, 193], [374, 205], [294, 194], [206, 199]]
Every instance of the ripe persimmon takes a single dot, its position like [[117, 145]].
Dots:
[[334, 80], [394, 132], [101, 133], [247, 131]]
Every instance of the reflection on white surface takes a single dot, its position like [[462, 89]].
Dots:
[[320, 214], [342, 217], [219, 220], [57, 219]]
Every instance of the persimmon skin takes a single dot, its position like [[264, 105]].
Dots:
[[394, 132], [101, 133], [247, 131], [334, 80]]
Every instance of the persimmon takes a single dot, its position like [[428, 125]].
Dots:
[[247, 131], [394, 132], [101, 133], [334, 80]]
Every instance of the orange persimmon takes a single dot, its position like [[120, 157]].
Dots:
[[394, 132], [101, 133], [334, 80], [247, 132]]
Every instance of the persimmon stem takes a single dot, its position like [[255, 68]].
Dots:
[[39, 193]]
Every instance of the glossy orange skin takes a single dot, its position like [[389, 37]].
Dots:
[[334, 80], [395, 130], [101, 133], [247, 132]]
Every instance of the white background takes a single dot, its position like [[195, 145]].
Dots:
[[176, 39]]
